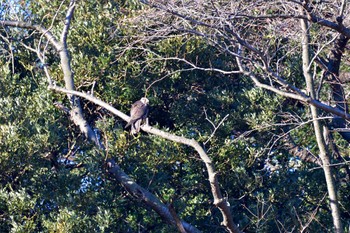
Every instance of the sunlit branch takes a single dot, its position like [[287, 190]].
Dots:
[[143, 194], [219, 201], [49, 36], [67, 22]]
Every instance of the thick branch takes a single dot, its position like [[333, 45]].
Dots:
[[336, 84], [297, 96], [77, 111], [61, 47], [220, 201], [300, 152], [339, 27], [331, 188], [144, 195], [93, 100]]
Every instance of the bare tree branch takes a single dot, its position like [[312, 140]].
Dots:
[[215, 127], [324, 155], [61, 47], [219, 201], [300, 152], [142, 194], [224, 28], [49, 36], [228, 27], [67, 22], [337, 26]]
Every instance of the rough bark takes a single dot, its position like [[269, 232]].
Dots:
[[145, 196], [337, 86], [331, 187], [300, 152]]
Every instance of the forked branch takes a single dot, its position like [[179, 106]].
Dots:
[[219, 201]]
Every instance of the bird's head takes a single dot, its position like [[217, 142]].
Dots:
[[144, 100]]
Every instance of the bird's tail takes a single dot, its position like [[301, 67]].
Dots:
[[129, 123]]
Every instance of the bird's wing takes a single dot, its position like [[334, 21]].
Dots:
[[138, 111]]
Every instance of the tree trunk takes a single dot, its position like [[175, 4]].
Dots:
[[318, 131], [337, 85]]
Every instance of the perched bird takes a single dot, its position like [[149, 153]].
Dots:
[[138, 113]]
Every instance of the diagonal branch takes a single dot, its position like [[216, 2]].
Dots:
[[20, 24], [146, 196], [284, 88], [219, 201], [337, 26], [299, 95]]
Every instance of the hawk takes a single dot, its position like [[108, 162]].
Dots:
[[138, 113]]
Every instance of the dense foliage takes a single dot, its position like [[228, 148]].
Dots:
[[53, 180]]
